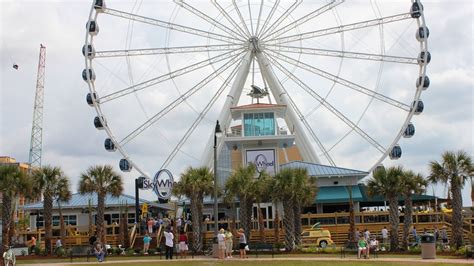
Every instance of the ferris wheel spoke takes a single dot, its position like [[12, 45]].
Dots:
[[282, 18], [168, 76], [307, 126], [269, 17], [179, 100], [327, 105], [342, 28], [259, 17], [167, 50], [200, 117], [171, 26], [242, 20], [304, 19], [210, 20], [344, 82], [229, 18], [343, 54]]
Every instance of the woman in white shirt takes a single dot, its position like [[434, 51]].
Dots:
[[221, 243]]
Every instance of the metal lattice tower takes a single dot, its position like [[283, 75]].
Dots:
[[36, 142]]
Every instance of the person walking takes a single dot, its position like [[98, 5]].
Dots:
[[221, 243], [384, 237], [146, 243], [242, 243], [228, 243], [168, 243], [444, 237], [183, 244], [415, 236]]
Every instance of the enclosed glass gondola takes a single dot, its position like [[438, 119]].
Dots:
[[422, 33], [419, 106], [125, 165], [90, 77], [98, 123], [396, 152], [90, 98], [421, 58], [426, 82], [109, 145], [92, 27], [409, 131], [90, 51]]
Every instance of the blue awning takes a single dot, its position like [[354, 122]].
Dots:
[[337, 194]]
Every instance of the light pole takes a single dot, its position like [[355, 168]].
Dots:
[[217, 133]]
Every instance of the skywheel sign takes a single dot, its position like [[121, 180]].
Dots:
[[264, 160]]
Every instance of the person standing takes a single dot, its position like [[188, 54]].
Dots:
[[415, 236], [242, 243], [150, 224], [444, 236], [384, 237], [146, 243], [58, 245], [367, 234], [357, 235], [436, 233], [221, 243], [169, 243], [183, 244], [228, 243], [33, 244]]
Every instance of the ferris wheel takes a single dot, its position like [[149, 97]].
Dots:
[[160, 73]]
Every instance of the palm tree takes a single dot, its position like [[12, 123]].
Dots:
[[13, 183], [63, 194], [453, 170], [410, 184], [241, 185], [304, 188], [52, 184], [261, 192], [195, 183], [103, 180], [386, 182]]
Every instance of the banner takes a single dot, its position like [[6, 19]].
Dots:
[[264, 160]]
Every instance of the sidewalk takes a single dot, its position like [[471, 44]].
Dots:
[[407, 261]]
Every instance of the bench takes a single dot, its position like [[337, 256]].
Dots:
[[469, 252], [263, 247], [80, 251], [353, 247]]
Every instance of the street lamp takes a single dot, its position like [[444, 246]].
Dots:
[[217, 133]]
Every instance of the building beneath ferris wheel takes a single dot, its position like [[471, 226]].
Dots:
[[257, 136]]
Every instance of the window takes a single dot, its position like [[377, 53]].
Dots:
[[68, 220], [259, 124], [131, 218], [115, 218]]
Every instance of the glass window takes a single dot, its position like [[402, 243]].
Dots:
[[131, 218], [115, 218], [259, 124]]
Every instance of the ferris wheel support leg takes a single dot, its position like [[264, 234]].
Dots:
[[231, 101], [303, 143]]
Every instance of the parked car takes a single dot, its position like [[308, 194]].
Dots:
[[316, 236]]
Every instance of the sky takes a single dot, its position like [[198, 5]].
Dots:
[[71, 141]]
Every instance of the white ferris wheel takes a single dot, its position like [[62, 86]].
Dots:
[[160, 73]]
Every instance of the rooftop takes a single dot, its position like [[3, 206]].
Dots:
[[319, 170]]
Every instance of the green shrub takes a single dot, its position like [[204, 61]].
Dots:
[[415, 250], [130, 252], [151, 251], [60, 252], [461, 251]]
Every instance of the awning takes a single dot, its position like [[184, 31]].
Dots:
[[337, 194]]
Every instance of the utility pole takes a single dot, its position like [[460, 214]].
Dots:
[[36, 142]]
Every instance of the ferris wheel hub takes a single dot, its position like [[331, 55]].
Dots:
[[254, 44]]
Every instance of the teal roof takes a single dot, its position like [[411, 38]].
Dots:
[[82, 201], [337, 194], [381, 198], [319, 170]]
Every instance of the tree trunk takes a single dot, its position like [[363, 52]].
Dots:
[[197, 224], [91, 229], [457, 215], [12, 231], [261, 224], [6, 220], [408, 220], [277, 225], [297, 228], [394, 221], [352, 228], [48, 213], [100, 227], [245, 216], [248, 232], [62, 229], [288, 224]]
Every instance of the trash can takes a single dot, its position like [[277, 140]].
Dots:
[[428, 246]]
